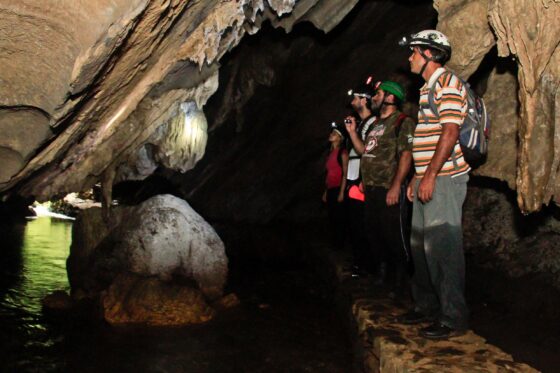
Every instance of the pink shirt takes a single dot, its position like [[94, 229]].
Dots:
[[334, 169]]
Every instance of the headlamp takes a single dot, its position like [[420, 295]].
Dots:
[[405, 41], [350, 92]]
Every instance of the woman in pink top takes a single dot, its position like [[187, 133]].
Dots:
[[335, 184]]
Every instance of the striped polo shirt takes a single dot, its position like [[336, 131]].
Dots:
[[450, 97]]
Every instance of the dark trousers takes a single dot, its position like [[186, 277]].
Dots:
[[356, 233], [438, 284], [337, 218], [386, 236]]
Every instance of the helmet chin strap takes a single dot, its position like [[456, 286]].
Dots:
[[428, 59], [388, 103]]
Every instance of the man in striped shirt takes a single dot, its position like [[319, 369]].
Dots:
[[437, 191]]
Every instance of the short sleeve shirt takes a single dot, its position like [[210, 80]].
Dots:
[[383, 146], [450, 97]]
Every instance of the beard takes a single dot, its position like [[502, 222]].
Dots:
[[375, 108]]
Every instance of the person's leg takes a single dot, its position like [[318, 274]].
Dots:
[[444, 249], [336, 218], [354, 217], [390, 240], [374, 231], [423, 293]]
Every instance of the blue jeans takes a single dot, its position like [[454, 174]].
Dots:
[[438, 283]]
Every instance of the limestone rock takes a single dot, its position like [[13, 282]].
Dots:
[[528, 29], [466, 25], [139, 300], [99, 78], [162, 237], [500, 238], [502, 104]]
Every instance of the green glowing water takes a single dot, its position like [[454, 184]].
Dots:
[[40, 249]]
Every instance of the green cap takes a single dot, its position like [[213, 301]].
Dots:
[[393, 88]]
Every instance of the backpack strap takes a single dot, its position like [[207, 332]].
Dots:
[[434, 108], [432, 93]]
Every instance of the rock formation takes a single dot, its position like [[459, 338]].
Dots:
[[106, 91], [162, 237], [87, 86], [527, 31]]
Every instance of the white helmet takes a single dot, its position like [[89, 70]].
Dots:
[[428, 38]]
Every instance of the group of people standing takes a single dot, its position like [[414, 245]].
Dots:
[[381, 162]]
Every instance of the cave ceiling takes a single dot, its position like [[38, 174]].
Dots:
[[98, 91]]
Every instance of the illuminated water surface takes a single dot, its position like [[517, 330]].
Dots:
[[45, 247]]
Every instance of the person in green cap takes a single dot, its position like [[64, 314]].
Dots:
[[386, 162]]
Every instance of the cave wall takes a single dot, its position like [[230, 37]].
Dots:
[[527, 31], [88, 84], [93, 91]]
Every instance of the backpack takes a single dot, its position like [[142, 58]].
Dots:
[[474, 133]]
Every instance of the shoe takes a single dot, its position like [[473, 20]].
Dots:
[[414, 317], [439, 331]]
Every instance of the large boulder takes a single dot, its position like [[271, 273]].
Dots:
[[163, 237]]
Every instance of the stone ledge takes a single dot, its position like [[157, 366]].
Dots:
[[386, 346]]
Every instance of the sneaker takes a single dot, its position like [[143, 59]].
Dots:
[[414, 317]]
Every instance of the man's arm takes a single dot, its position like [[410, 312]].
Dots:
[[357, 142], [402, 170], [404, 149], [447, 140]]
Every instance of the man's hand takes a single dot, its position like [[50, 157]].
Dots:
[[324, 198], [410, 189], [350, 123], [393, 195], [340, 198], [426, 188]]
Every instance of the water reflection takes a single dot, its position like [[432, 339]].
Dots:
[[33, 265], [36, 262]]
